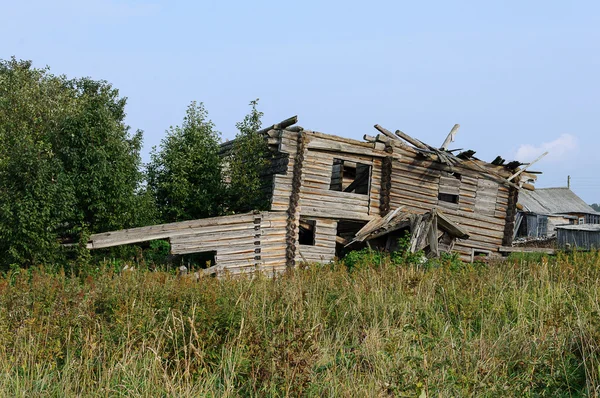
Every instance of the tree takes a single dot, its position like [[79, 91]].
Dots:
[[595, 206], [185, 175], [246, 163], [67, 162]]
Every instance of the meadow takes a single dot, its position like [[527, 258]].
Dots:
[[375, 326]]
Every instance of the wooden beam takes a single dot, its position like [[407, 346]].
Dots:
[[369, 138], [450, 137], [281, 125], [508, 249], [341, 240], [385, 131], [526, 167], [412, 141]]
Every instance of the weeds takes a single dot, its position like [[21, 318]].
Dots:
[[386, 328]]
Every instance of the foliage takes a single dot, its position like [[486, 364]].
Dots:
[[185, 175], [595, 206], [517, 328], [66, 160], [246, 163]]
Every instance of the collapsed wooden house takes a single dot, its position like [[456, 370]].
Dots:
[[328, 194]]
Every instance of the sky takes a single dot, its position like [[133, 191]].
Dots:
[[520, 77]]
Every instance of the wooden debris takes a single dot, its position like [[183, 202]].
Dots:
[[526, 167], [450, 137], [413, 141]]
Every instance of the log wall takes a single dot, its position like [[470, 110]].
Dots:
[[482, 203], [317, 199], [323, 251], [243, 243]]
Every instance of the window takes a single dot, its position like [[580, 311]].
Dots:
[[348, 176], [480, 255], [581, 220], [448, 197], [306, 233], [542, 226]]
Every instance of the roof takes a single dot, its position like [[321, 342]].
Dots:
[[554, 201], [581, 227]]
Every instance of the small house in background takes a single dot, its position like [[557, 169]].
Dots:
[[542, 210], [584, 236]]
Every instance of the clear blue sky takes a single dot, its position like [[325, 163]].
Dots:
[[519, 76]]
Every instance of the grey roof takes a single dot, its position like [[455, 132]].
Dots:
[[581, 227], [553, 201]]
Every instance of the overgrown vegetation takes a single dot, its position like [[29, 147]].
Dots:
[[67, 162], [185, 175], [246, 162], [69, 167], [519, 328]]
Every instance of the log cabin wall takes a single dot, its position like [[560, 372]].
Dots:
[[329, 167], [472, 200], [321, 248], [240, 243]]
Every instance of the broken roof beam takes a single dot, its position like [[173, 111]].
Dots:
[[450, 137], [413, 141], [290, 121], [369, 138], [526, 167], [385, 132]]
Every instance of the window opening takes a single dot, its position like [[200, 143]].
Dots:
[[448, 197], [306, 232], [348, 176]]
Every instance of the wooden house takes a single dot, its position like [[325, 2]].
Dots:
[[580, 237], [542, 210], [325, 191]]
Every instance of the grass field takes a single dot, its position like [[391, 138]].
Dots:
[[522, 327]]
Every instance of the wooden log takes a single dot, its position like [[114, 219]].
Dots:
[[369, 138], [450, 137], [526, 167], [506, 249], [281, 125], [333, 146], [386, 132], [412, 141]]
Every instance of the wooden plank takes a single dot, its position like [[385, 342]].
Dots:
[[507, 249], [339, 205], [328, 145]]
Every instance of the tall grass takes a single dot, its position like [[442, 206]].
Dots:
[[521, 327]]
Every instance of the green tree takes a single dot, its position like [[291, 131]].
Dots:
[[246, 163], [67, 162], [185, 175], [595, 206]]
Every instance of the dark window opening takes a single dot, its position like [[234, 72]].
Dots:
[[456, 175], [199, 260], [480, 255], [346, 231], [347, 176], [448, 197], [306, 233]]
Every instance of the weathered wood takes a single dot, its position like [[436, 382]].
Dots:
[[412, 141], [450, 137], [332, 146], [281, 125], [507, 249], [386, 132], [526, 167]]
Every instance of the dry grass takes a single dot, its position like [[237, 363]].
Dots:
[[522, 327]]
